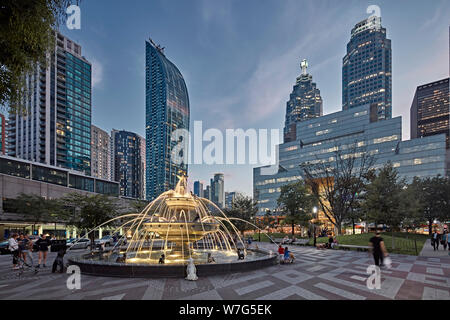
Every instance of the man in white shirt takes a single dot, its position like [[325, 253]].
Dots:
[[14, 248]]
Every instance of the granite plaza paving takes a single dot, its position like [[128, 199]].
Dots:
[[316, 274]]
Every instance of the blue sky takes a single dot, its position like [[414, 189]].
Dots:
[[240, 58]]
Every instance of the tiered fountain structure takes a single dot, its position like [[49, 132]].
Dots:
[[172, 229]]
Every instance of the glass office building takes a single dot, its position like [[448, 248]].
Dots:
[[318, 139], [127, 163], [198, 189], [430, 110], [367, 68], [304, 103], [166, 110], [218, 190], [56, 176], [57, 130], [2, 134]]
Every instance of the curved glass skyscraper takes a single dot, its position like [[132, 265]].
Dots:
[[166, 109]]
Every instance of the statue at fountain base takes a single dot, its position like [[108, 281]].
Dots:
[[191, 270]]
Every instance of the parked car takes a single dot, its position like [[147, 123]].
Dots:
[[78, 243], [4, 248], [106, 240]]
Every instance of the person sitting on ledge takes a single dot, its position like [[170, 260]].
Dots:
[[162, 259], [122, 259], [241, 255], [210, 258]]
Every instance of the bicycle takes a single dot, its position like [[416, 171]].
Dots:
[[23, 266]]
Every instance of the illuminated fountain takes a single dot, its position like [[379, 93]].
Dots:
[[172, 229]]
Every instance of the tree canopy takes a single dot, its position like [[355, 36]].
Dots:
[[26, 36], [297, 202], [337, 182]]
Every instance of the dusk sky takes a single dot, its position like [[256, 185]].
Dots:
[[240, 58]]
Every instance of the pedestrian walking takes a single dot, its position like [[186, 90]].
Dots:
[[378, 249], [23, 247], [433, 240], [444, 240], [43, 243], [13, 246]]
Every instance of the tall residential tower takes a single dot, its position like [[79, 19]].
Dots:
[[100, 153], [127, 163], [57, 129], [166, 110]]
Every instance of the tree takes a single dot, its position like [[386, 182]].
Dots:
[[297, 202], [89, 211], [433, 196], [384, 196], [336, 182], [244, 208], [26, 36], [268, 220], [37, 207]]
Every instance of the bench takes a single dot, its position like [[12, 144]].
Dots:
[[301, 242], [296, 242], [349, 246]]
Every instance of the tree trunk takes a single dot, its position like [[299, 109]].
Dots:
[[293, 229], [353, 223], [430, 226]]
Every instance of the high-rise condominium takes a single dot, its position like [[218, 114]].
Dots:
[[218, 190], [198, 189], [127, 163], [100, 153], [305, 103], [166, 110], [367, 68], [57, 129]]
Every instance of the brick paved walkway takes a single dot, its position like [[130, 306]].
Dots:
[[316, 274]]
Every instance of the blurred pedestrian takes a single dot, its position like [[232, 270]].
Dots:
[[43, 243], [378, 249], [13, 246]]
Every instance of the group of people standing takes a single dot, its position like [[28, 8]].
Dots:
[[21, 247], [437, 238]]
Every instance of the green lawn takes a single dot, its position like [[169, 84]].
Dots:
[[404, 243]]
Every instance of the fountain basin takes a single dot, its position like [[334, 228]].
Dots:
[[92, 265]]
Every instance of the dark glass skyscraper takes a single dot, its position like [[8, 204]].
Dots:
[[127, 164], [167, 109], [305, 103], [367, 68], [430, 110]]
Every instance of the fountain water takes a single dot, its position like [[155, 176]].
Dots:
[[175, 228]]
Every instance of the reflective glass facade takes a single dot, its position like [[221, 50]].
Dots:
[[304, 103], [319, 138], [57, 176], [167, 109], [367, 68], [57, 130], [2, 134], [430, 110], [127, 163]]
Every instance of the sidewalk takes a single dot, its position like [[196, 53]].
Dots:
[[428, 251]]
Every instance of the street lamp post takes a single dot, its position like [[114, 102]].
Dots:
[[314, 224]]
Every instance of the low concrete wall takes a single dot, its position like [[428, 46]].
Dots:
[[169, 271]]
